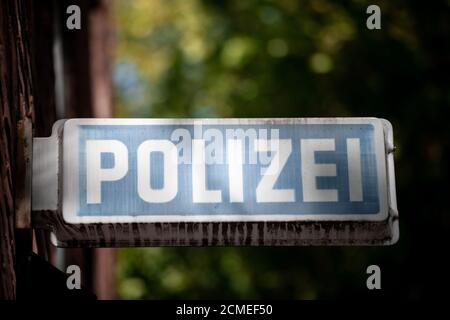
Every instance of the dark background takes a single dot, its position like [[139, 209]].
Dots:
[[297, 59]]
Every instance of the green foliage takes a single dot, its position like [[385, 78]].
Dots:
[[288, 58], [230, 272]]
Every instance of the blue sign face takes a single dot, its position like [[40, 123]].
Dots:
[[136, 170]]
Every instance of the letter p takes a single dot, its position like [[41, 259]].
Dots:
[[95, 174]]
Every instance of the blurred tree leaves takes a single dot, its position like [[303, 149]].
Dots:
[[288, 58]]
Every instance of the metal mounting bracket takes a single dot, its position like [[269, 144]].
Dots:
[[24, 153], [46, 170]]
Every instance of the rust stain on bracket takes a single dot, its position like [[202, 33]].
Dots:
[[24, 154]]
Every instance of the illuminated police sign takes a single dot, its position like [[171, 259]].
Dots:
[[146, 171]]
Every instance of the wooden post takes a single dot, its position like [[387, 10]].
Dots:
[[16, 104]]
